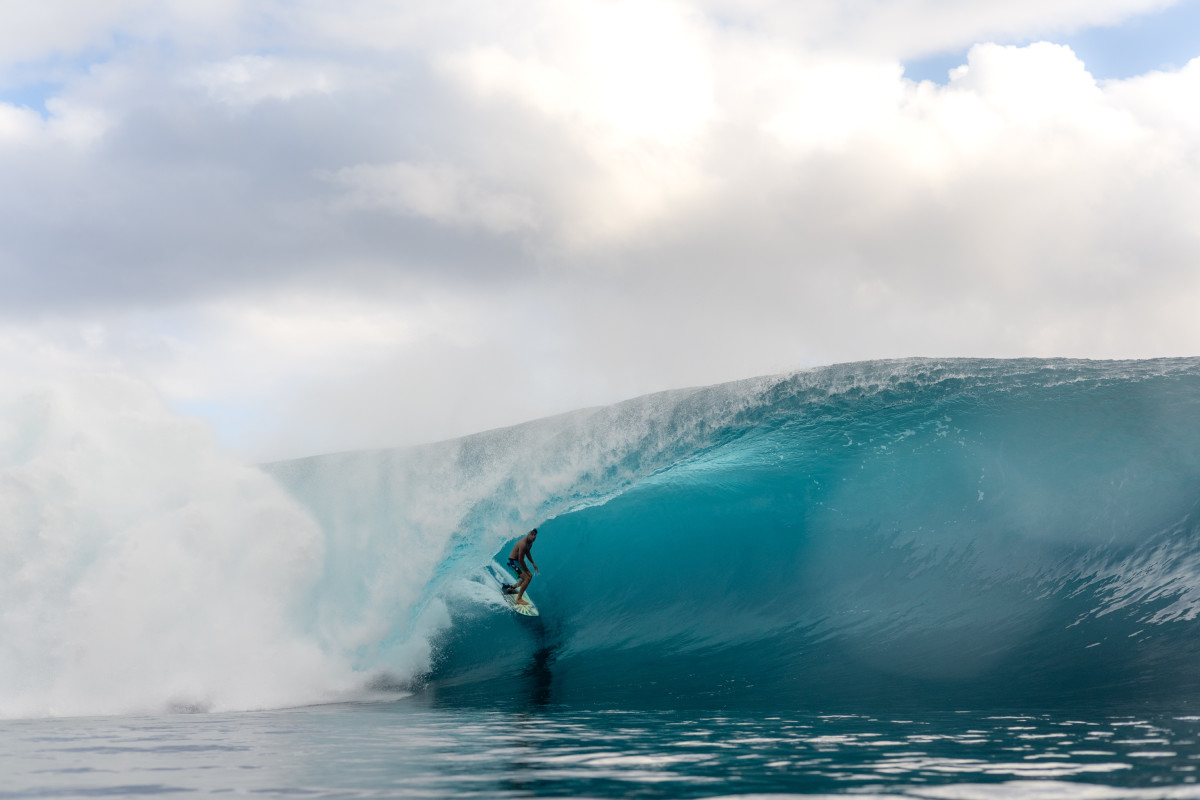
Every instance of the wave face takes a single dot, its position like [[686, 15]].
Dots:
[[919, 532], [959, 532]]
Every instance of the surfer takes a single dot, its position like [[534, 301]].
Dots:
[[522, 550]]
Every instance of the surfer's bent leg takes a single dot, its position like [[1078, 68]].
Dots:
[[526, 576], [511, 588]]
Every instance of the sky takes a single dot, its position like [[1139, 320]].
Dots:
[[326, 226]]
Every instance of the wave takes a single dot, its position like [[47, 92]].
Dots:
[[997, 532], [977, 532]]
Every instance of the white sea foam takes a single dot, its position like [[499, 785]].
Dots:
[[140, 568]]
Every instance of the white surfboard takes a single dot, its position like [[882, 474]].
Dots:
[[502, 576]]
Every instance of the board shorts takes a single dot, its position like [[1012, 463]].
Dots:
[[515, 566]]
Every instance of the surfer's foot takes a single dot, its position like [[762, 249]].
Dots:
[[509, 588]]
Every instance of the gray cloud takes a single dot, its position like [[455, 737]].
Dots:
[[384, 225]]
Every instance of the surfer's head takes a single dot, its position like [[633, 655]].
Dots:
[[531, 535]]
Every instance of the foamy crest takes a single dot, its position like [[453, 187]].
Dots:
[[140, 569]]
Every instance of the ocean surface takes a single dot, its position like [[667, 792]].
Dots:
[[420, 750], [922, 578]]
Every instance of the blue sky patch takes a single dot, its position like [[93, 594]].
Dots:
[[1166, 40], [30, 95]]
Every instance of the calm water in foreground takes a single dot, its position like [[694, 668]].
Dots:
[[412, 749]]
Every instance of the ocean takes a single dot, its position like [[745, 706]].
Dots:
[[921, 578], [420, 749]]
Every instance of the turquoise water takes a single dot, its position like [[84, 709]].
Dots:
[[966, 533], [416, 749]]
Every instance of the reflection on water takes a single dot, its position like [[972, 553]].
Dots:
[[413, 749], [540, 676]]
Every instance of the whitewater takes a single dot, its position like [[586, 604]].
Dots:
[[858, 547]]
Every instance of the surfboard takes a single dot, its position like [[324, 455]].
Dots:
[[502, 576]]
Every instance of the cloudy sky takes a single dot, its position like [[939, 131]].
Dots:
[[331, 225]]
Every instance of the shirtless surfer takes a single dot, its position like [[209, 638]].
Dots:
[[522, 550]]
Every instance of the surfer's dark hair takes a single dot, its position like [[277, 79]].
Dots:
[[532, 531]]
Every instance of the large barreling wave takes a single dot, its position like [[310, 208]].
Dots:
[[918, 532]]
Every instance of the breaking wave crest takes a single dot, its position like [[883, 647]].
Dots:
[[917, 532]]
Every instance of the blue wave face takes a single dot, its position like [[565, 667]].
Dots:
[[973, 532]]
